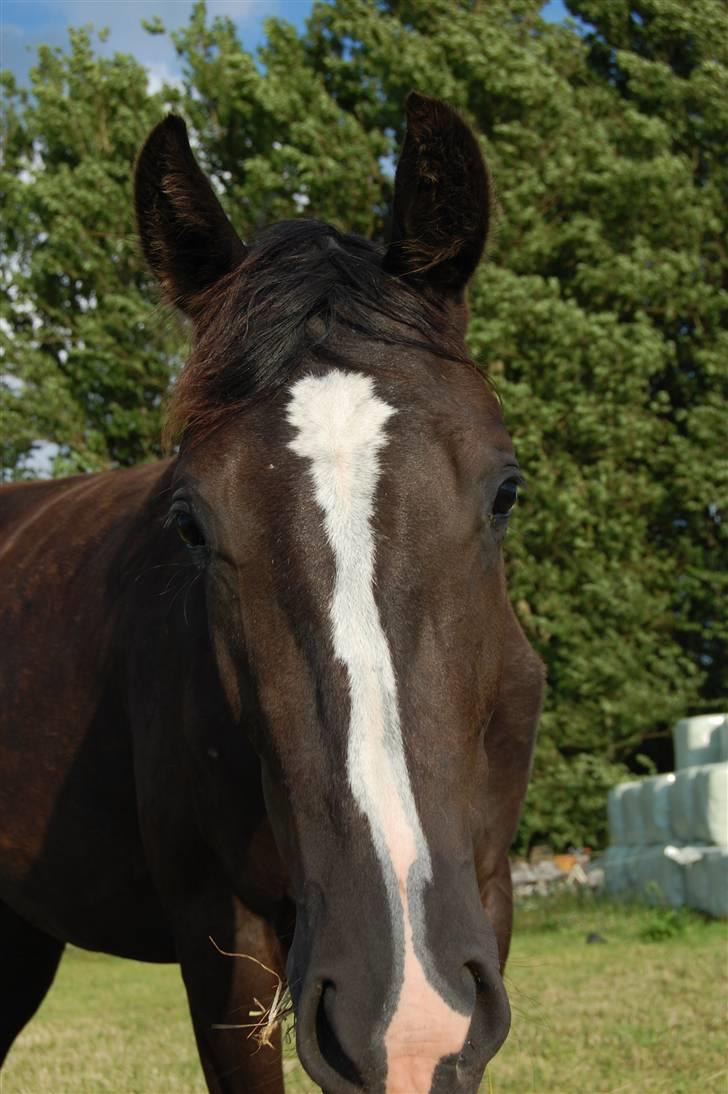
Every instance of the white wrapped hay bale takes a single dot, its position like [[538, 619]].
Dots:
[[633, 832], [722, 732], [632, 866], [682, 805], [706, 881], [614, 815], [613, 862], [696, 741], [655, 808], [658, 878], [710, 804], [669, 833]]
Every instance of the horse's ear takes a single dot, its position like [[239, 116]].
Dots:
[[441, 199], [186, 237]]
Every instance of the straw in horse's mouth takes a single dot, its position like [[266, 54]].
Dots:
[[266, 1020]]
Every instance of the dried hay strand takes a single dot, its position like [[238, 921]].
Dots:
[[267, 1019]]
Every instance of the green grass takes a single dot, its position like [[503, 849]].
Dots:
[[645, 1011]]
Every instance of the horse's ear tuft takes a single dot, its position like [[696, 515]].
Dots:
[[441, 199], [186, 237]]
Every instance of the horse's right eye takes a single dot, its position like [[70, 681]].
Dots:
[[188, 530], [506, 498]]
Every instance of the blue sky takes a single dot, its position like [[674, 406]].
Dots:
[[25, 24]]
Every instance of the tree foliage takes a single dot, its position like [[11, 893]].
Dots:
[[600, 312]]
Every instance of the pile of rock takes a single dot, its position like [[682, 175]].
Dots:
[[545, 872]]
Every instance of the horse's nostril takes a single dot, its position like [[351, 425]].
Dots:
[[479, 976], [491, 1016], [328, 1042]]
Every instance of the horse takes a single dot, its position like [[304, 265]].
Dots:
[[267, 711]]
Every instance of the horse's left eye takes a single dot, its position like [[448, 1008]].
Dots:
[[188, 530], [506, 498]]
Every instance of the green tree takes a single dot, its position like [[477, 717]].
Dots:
[[600, 312], [85, 360]]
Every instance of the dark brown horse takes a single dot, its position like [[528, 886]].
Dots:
[[271, 691]]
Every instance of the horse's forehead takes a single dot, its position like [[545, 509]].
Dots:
[[445, 403], [443, 415]]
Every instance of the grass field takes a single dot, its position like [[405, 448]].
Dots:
[[644, 1011]]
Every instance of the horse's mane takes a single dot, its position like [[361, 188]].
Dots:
[[300, 282]]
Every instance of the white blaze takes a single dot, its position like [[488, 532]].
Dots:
[[339, 423]]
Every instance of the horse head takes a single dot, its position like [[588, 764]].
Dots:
[[344, 484]]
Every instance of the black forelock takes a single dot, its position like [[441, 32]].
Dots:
[[300, 283]]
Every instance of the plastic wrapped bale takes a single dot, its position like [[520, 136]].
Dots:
[[633, 832], [655, 807], [659, 879], [682, 805], [710, 804], [614, 864], [632, 865], [696, 741], [706, 882], [615, 815], [722, 732]]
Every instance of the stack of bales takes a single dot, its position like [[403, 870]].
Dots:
[[668, 834]]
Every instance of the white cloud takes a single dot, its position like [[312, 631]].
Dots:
[[160, 74]]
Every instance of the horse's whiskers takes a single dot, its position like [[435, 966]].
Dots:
[[196, 578]]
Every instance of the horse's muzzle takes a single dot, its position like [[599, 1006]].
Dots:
[[344, 1053]]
